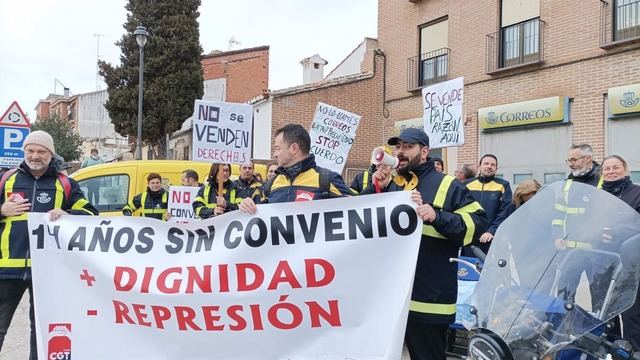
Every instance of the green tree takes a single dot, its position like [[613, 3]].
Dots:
[[68, 144], [172, 72]]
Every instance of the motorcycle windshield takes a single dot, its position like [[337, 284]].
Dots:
[[561, 265]]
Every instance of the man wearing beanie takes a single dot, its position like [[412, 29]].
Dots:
[[35, 186]]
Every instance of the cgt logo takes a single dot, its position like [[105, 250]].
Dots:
[[59, 345], [65, 355]]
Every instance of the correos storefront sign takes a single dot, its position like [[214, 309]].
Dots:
[[539, 111], [624, 99]]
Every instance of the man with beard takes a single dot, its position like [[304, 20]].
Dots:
[[569, 214], [35, 186], [583, 168], [494, 194], [152, 203], [452, 218], [297, 178]]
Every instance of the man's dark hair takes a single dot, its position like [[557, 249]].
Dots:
[[152, 176], [190, 173], [94, 151], [296, 134], [488, 155]]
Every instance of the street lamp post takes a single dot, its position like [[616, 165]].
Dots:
[[141, 35]]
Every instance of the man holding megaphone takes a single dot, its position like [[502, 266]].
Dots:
[[452, 218], [379, 157]]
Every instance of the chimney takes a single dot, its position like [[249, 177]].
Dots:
[[66, 92], [313, 69]]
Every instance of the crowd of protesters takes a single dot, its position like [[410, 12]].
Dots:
[[457, 211]]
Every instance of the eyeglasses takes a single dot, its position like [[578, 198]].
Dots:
[[572, 160]]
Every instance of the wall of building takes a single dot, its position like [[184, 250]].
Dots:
[[362, 97], [245, 71], [352, 64], [574, 66], [262, 124]]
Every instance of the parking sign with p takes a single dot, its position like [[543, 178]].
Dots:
[[14, 128]]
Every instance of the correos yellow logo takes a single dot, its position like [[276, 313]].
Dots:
[[629, 99]]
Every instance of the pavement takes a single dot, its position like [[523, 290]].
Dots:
[[16, 343]]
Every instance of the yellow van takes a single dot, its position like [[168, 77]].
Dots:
[[114, 184]]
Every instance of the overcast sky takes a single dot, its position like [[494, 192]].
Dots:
[[42, 41]]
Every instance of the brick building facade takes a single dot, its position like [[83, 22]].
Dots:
[[246, 72], [232, 76], [511, 52], [359, 93]]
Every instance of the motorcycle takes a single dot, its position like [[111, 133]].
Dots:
[[559, 269]]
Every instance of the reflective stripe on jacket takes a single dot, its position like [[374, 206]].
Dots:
[[305, 185], [150, 206], [459, 218], [205, 201], [44, 193]]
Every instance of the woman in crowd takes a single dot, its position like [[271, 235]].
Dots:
[[615, 173], [209, 203], [524, 191]]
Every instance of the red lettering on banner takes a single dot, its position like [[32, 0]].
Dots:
[[224, 277], [160, 315], [162, 281], [140, 316], [146, 280], [234, 314], [310, 271], [131, 279], [202, 279], [316, 311], [257, 319], [122, 313], [185, 316], [258, 276], [210, 319], [283, 274], [283, 315]]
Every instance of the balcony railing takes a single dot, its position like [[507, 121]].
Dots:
[[619, 22], [516, 45], [427, 69]]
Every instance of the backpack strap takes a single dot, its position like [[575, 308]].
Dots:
[[7, 174], [267, 187], [66, 185], [64, 181], [324, 183]]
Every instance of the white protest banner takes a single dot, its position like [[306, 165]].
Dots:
[[443, 108], [332, 133], [180, 200], [328, 279], [222, 132]]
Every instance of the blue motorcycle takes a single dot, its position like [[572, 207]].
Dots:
[[560, 270]]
